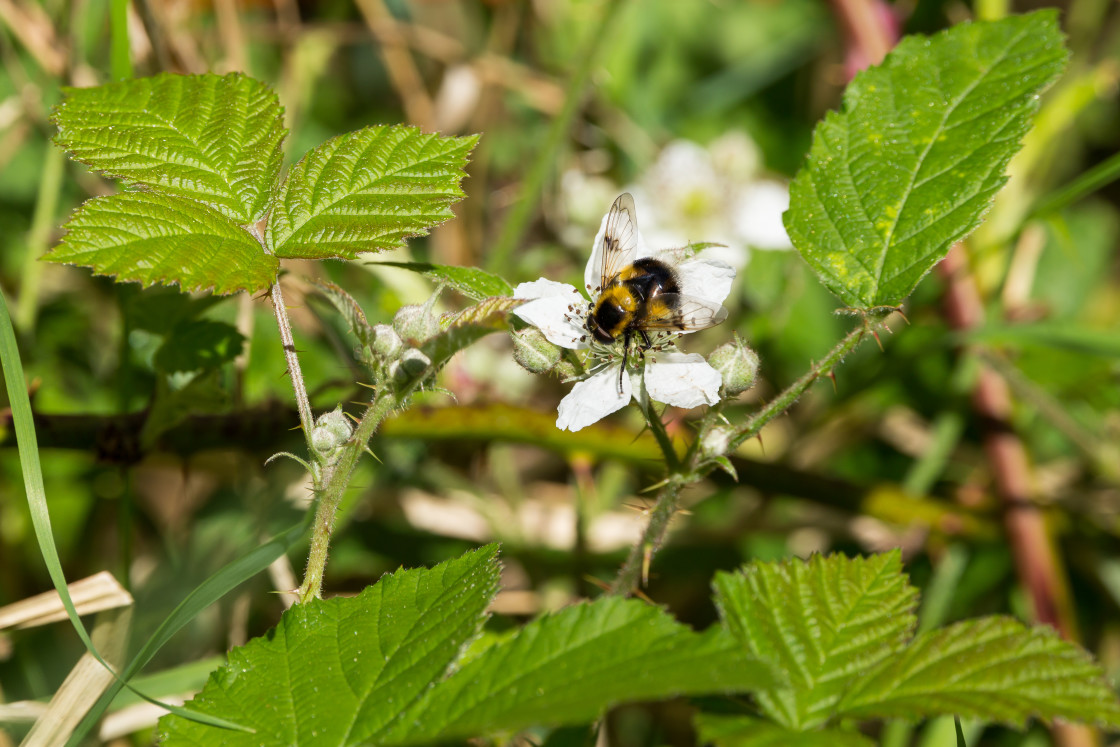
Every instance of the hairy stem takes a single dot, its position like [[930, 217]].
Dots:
[[641, 554], [793, 392], [303, 402], [334, 479], [681, 474]]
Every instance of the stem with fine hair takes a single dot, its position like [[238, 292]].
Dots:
[[335, 477], [682, 474], [303, 402]]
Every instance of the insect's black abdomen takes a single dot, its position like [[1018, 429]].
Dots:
[[649, 277]]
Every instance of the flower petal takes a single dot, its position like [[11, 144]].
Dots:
[[550, 309], [682, 380], [706, 278], [593, 399]]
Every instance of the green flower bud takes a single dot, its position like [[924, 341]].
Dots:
[[717, 441], [332, 430], [415, 324], [533, 351], [410, 367], [387, 343], [737, 365]]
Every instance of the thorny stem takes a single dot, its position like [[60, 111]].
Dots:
[[682, 474], [793, 392], [303, 402]]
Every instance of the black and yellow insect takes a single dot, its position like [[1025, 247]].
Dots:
[[637, 296]]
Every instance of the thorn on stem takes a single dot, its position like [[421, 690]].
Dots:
[[875, 334], [832, 375]]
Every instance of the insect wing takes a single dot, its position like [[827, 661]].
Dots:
[[619, 246], [673, 312]]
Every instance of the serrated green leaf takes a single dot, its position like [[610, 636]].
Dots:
[[568, 667], [151, 238], [210, 138], [470, 281], [745, 731], [199, 344], [466, 327], [912, 163], [993, 668], [334, 671], [820, 622], [367, 191]]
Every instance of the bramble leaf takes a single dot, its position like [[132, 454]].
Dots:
[[151, 238], [367, 191], [470, 281], [567, 667], [210, 138], [913, 161], [391, 666], [820, 622], [333, 671], [746, 731], [993, 668]]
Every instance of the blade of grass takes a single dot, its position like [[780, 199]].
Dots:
[[120, 58], [28, 449]]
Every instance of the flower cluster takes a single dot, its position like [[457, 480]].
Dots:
[[658, 371]]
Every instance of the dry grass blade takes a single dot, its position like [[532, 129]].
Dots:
[[97, 593]]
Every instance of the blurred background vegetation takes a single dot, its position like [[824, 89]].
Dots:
[[156, 410]]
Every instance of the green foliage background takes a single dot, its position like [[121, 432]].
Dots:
[[893, 455]]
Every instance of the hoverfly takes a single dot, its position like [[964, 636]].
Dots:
[[637, 296]]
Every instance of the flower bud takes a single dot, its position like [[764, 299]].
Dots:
[[737, 365], [717, 440], [387, 343], [332, 430], [410, 367], [533, 351], [415, 324]]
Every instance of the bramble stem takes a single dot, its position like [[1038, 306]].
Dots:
[[688, 472], [793, 392], [335, 478], [303, 402]]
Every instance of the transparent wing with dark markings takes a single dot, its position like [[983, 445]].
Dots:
[[673, 312], [620, 241]]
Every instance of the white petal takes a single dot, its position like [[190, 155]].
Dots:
[[545, 289], [593, 399], [682, 380], [550, 311], [706, 278]]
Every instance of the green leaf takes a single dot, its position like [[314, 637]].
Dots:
[[567, 667], [204, 137], [151, 238], [745, 731], [470, 281], [199, 345], [820, 622], [466, 327], [334, 671], [995, 669], [912, 163], [367, 191]]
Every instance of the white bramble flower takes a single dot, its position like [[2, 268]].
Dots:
[[561, 313]]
